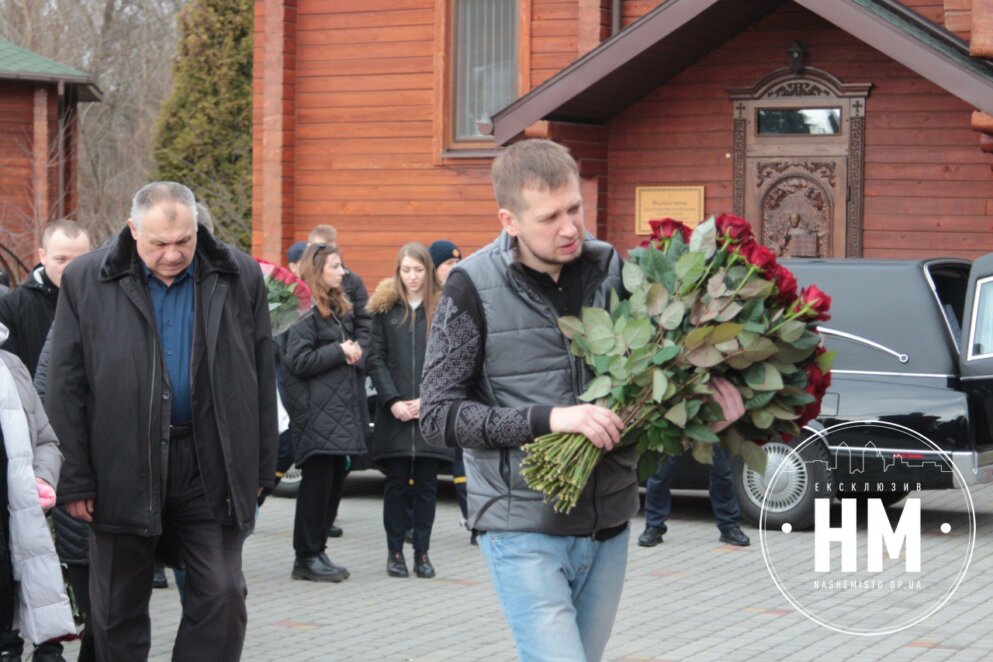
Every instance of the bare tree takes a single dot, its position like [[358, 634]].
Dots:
[[128, 47]]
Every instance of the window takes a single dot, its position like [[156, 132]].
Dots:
[[799, 121], [981, 332], [485, 71]]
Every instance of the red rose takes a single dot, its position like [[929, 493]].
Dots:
[[817, 300], [818, 383], [759, 256], [666, 228], [785, 283], [736, 229]]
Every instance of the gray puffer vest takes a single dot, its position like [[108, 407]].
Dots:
[[527, 362]]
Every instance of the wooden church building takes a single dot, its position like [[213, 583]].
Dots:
[[837, 127]]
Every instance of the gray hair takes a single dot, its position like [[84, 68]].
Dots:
[[204, 218], [157, 193]]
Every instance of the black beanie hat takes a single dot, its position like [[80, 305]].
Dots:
[[443, 250]]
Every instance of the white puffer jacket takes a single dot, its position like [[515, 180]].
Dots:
[[32, 450]]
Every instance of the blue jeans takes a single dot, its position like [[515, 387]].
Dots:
[[559, 594], [658, 498]]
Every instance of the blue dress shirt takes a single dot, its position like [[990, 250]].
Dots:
[[175, 317]]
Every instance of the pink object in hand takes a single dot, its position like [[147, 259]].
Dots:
[[46, 494]]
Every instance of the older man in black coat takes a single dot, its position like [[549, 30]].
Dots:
[[163, 393]]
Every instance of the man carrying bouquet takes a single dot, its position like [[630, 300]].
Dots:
[[498, 374]]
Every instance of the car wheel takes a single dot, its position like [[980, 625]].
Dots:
[[290, 483], [805, 477]]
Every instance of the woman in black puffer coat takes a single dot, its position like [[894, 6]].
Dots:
[[326, 403], [402, 307]]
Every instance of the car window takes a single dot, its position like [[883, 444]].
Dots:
[[950, 282], [981, 333]]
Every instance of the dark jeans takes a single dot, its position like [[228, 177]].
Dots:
[[400, 473], [658, 498], [122, 565], [320, 477]]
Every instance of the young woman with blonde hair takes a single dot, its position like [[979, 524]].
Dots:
[[402, 307]]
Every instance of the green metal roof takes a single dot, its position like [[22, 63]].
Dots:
[[21, 64]]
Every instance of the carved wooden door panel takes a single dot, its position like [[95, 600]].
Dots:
[[798, 204]]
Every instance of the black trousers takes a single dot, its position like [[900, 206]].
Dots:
[[419, 478], [122, 565], [320, 477]]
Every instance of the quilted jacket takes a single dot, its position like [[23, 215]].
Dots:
[[325, 396]]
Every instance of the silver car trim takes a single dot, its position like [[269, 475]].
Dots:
[[902, 358], [892, 374]]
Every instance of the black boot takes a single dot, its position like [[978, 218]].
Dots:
[[339, 568], [159, 578], [312, 568], [396, 565], [423, 567]]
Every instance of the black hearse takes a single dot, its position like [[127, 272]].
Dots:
[[915, 348]]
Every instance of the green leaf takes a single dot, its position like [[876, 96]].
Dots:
[[639, 306], [638, 333], [725, 332], [716, 286], [763, 377], [754, 456], [728, 346], [705, 356], [615, 301], [759, 400], [825, 360], [704, 239], [762, 419], [697, 336], [703, 453], [660, 383], [618, 368], [672, 316], [677, 414], [809, 340], [665, 354], [730, 312], [732, 441], [601, 363], [656, 299], [599, 330], [690, 267], [782, 413], [756, 288], [632, 276], [701, 432], [570, 326], [620, 325], [738, 362], [791, 331], [760, 350], [580, 347], [598, 388]]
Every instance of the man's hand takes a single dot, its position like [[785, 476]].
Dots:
[[400, 411], [728, 397], [414, 407], [81, 510], [598, 424]]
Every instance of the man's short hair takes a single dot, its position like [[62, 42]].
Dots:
[[323, 233], [156, 193], [537, 164], [71, 229], [204, 218]]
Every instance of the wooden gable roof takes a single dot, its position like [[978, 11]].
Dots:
[[666, 40]]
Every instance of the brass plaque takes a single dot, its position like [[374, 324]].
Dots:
[[682, 203]]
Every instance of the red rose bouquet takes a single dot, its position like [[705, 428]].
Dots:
[[288, 296], [706, 302]]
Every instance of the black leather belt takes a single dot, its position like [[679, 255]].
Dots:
[[176, 431]]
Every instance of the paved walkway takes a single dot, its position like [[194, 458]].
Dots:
[[690, 598]]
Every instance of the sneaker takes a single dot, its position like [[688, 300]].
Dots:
[[735, 536], [396, 565], [159, 578], [652, 536], [423, 567], [313, 569]]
